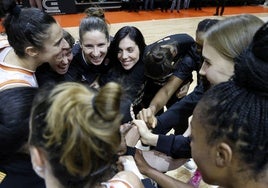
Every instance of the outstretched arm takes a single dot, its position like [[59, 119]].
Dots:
[[160, 178], [160, 100]]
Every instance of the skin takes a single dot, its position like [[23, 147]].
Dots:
[[53, 46], [95, 47], [215, 67], [62, 66], [129, 53], [209, 159], [220, 162], [52, 51], [163, 95], [204, 158]]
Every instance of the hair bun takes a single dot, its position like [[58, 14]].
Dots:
[[260, 43], [251, 68]]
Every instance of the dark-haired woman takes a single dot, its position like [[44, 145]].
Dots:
[[126, 54], [34, 38], [57, 71], [169, 64]]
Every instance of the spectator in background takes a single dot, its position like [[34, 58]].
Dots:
[[197, 4], [164, 5], [133, 6], [173, 5], [36, 4], [220, 7], [149, 4], [186, 4]]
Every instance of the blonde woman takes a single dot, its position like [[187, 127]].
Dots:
[[75, 137]]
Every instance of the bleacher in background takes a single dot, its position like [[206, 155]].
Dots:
[[76, 6]]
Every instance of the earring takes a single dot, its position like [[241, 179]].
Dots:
[[38, 168], [39, 171]]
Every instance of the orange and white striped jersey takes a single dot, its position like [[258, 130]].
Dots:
[[11, 76]]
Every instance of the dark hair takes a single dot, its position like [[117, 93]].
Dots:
[[237, 110], [134, 34], [205, 24], [158, 62], [15, 106], [81, 148], [252, 65], [25, 27], [93, 23], [68, 37]]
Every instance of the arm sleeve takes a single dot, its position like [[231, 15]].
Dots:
[[185, 68], [176, 146]]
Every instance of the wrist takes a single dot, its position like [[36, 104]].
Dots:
[[152, 108], [152, 139]]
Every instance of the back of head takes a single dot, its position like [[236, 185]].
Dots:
[[15, 106], [251, 68], [133, 33], [202, 27], [95, 11], [25, 27], [158, 62], [79, 131], [205, 24], [236, 111], [233, 34]]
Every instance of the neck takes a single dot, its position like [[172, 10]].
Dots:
[[52, 182], [25, 62]]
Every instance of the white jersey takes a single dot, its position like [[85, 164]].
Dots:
[[12, 76]]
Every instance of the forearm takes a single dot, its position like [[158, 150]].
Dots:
[[165, 93], [158, 102]]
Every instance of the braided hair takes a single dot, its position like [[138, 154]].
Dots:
[[236, 111]]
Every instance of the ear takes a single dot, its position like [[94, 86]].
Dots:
[[224, 154], [37, 159], [31, 51]]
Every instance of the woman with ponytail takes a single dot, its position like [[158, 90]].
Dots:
[[74, 137], [34, 37]]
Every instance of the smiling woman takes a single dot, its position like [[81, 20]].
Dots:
[[56, 72], [90, 63], [126, 53], [32, 42]]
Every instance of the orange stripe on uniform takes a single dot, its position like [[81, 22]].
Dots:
[[10, 82], [16, 70]]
